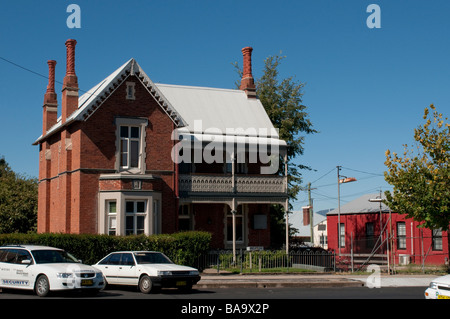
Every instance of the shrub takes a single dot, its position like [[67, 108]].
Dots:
[[184, 247]]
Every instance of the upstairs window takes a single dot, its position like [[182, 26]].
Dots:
[[130, 147]]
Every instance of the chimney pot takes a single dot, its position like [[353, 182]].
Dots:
[[69, 101], [70, 64], [247, 81], [50, 107], [51, 76]]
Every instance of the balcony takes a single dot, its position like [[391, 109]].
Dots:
[[247, 184]]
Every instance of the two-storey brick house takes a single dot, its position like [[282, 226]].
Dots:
[[130, 156]]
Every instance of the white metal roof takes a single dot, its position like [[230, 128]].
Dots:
[[219, 111]]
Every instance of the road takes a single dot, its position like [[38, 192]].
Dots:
[[237, 294], [223, 302]]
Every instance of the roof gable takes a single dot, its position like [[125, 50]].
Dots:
[[90, 101]]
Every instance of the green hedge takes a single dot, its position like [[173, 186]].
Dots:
[[183, 248]]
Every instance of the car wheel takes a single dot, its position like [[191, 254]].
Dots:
[[42, 286], [145, 284]]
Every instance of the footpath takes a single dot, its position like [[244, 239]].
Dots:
[[313, 280]]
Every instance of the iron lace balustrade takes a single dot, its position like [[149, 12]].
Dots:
[[261, 184]]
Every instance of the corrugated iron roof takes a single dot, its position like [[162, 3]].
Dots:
[[193, 109], [362, 205]]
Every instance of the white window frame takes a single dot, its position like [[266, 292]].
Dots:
[[110, 216], [135, 215], [401, 235], [342, 235], [156, 216], [140, 123], [152, 220]]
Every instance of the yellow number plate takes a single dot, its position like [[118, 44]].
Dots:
[[443, 297], [87, 282], [181, 283]]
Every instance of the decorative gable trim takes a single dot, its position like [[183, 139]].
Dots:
[[94, 98]]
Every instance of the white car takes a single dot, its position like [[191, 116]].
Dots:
[[44, 269], [439, 288], [147, 270]]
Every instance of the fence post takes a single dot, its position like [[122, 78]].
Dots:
[[334, 260], [218, 262], [242, 260]]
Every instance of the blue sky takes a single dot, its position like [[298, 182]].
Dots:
[[366, 89]]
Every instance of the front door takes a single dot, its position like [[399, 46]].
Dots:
[[21, 272], [127, 270]]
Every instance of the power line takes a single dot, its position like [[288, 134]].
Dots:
[[323, 175], [355, 170], [24, 68], [37, 73]]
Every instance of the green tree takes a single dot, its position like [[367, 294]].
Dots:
[[421, 177], [283, 102], [18, 201]]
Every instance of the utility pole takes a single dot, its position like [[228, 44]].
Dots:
[[311, 221]]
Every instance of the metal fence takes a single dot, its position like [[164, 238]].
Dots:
[[267, 261]]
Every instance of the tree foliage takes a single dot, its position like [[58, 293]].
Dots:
[[421, 177], [283, 103], [18, 201]]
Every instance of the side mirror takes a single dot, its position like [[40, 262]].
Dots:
[[26, 261]]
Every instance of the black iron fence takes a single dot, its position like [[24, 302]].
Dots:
[[245, 261]]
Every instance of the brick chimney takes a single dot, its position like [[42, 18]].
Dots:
[[247, 81], [50, 107], [69, 101]]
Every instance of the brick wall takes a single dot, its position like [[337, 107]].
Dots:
[[68, 191]]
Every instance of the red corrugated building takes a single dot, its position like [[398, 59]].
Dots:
[[365, 226]]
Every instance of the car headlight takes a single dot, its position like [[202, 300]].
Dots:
[[64, 275], [164, 273], [193, 273]]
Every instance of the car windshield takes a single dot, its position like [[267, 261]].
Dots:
[[53, 256], [152, 258]]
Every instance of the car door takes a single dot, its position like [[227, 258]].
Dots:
[[110, 267], [22, 269], [127, 270]]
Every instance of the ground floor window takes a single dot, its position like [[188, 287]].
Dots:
[[437, 239], [111, 213], [323, 240], [401, 235], [135, 214], [239, 224], [342, 235], [129, 213], [185, 220], [370, 239]]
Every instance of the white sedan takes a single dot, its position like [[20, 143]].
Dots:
[[147, 270], [44, 269], [439, 288]]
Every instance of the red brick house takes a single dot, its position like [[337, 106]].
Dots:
[[363, 220], [130, 156]]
